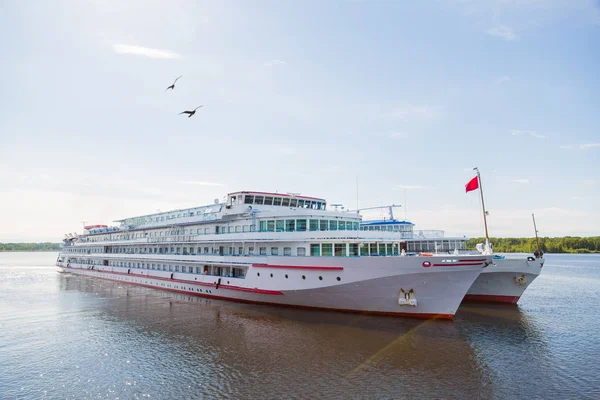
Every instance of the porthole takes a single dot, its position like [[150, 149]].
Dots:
[[303, 277], [258, 274], [320, 278], [286, 276], [339, 279], [271, 275]]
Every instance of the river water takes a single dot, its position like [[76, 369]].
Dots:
[[65, 336]]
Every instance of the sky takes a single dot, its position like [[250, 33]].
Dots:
[[359, 102]]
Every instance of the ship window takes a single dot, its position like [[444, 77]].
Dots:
[[277, 201], [301, 251], [323, 225], [338, 278], [286, 276], [293, 203], [355, 224], [320, 278], [250, 250], [326, 248], [206, 250], [348, 225], [332, 225], [389, 249], [249, 199], [287, 251], [237, 228], [258, 199], [341, 225], [303, 276], [382, 249], [240, 250], [301, 225], [353, 249], [340, 249], [373, 247], [271, 226], [301, 203], [274, 251], [263, 226], [314, 224], [184, 269], [314, 250], [263, 251], [268, 201], [290, 225]]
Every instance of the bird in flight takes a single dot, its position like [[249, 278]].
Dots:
[[173, 85], [190, 112]]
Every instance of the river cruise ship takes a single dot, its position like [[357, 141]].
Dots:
[[504, 281], [277, 249]]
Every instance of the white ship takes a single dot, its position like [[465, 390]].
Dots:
[[502, 282], [274, 248]]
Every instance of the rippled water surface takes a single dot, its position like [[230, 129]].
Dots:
[[66, 336]]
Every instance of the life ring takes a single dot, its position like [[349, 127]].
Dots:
[[426, 264], [426, 254]]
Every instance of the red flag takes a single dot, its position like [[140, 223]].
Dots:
[[472, 185]]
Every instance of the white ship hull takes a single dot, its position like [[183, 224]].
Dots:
[[505, 280], [426, 287]]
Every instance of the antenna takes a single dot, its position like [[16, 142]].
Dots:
[[357, 194]]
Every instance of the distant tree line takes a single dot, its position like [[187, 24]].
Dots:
[[46, 246], [567, 244]]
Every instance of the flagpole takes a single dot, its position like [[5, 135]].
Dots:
[[487, 236]]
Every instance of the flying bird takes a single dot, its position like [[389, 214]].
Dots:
[[190, 112], [173, 85]]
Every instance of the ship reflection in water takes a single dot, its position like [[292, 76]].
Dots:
[[184, 346]]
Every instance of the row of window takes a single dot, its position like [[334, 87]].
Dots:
[[388, 228], [301, 225], [280, 201], [316, 249]]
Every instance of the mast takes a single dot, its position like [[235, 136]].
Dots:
[[487, 236], [537, 242]]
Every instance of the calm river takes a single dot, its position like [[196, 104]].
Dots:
[[65, 336]]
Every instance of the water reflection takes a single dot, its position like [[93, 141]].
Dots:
[[252, 349]]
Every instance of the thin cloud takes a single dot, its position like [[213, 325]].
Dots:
[[581, 146], [146, 51], [201, 183], [502, 31], [274, 62], [533, 134], [520, 180], [501, 80]]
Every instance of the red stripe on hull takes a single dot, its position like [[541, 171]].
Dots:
[[490, 298], [212, 296], [473, 260], [456, 264], [314, 268]]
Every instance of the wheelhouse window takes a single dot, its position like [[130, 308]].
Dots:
[[293, 203], [249, 199], [285, 202], [301, 203], [268, 201], [277, 201], [259, 199]]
